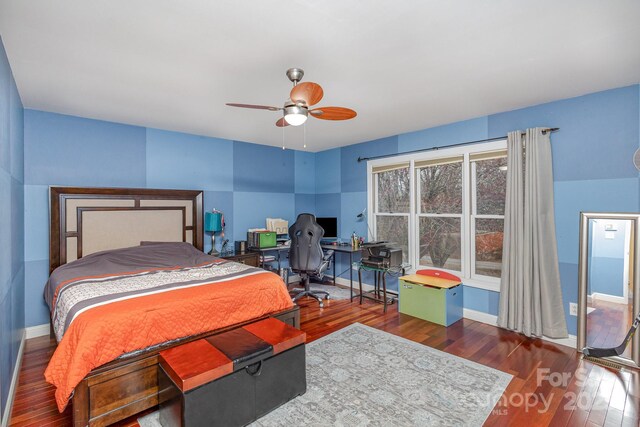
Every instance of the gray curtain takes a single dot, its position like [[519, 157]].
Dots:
[[530, 292]]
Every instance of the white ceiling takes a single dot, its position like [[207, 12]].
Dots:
[[402, 65]]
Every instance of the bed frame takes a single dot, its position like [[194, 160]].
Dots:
[[86, 220]]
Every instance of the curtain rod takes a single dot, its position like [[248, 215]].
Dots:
[[361, 159]]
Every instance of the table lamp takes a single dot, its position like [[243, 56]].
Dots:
[[213, 223]]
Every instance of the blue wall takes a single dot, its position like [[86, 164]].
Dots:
[[11, 226], [592, 166], [248, 182]]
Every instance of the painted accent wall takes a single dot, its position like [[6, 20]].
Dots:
[[11, 227], [248, 182], [592, 153], [592, 166]]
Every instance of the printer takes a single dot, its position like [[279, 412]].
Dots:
[[382, 256]]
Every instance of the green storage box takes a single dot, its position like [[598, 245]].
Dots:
[[261, 239], [429, 298]]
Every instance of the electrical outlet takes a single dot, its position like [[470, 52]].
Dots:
[[573, 309]]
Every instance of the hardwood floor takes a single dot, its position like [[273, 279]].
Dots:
[[552, 386], [608, 324]]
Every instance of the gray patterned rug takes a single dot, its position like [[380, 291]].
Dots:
[[361, 376], [335, 292]]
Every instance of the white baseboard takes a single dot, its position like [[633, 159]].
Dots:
[[6, 414], [608, 298], [490, 319], [37, 331], [478, 316]]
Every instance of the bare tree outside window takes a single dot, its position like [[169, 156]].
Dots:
[[393, 191], [394, 229], [441, 189], [440, 242], [440, 215], [455, 213], [491, 186], [392, 210]]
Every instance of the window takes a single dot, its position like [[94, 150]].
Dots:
[[439, 213], [392, 203], [445, 208], [489, 183]]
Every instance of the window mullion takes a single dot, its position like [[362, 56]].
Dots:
[[375, 206], [412, 256], [466, 220]]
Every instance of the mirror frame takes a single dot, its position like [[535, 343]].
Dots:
[[583, 274]]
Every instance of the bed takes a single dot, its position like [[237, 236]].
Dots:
[[132, 287]]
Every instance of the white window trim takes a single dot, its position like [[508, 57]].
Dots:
[[373, 213], [476, 281], [473, 215]]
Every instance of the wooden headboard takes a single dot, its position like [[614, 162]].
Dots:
[[87, 220]]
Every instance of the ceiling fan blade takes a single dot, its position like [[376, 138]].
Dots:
[[282, 123], [309, 92], [257, 107], [333, 113]]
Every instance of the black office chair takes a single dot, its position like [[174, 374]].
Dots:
[[306, 256]]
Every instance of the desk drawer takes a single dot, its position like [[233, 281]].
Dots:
[[437, 305], [248, 258]]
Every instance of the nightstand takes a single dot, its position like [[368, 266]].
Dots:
[[248, 258]]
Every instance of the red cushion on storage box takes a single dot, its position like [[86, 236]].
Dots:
[[438, 273], [199, 362]]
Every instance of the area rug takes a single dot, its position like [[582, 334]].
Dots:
[[335, 292], [361, 376]]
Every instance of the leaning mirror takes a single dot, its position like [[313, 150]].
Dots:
[[609, 292]]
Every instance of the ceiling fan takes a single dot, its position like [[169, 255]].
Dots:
[[302, 97]]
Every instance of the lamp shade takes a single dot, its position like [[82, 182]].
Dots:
[[213, 221], [295, 115]]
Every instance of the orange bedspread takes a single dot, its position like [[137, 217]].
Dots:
[[104, 333]]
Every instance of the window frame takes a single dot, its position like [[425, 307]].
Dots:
[[468, 254], [472, 231], [419, 214], [376, 213]]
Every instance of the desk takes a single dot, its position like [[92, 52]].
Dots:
[[277, 249], [345, 249], [247, 258], [380, 278]]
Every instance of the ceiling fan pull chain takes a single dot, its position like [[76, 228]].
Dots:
[[304, 131]]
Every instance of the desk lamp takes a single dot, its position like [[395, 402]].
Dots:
[[213, 223], [362, 216]]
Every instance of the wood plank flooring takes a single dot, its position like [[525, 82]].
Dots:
[[552, 386], [608, 324]]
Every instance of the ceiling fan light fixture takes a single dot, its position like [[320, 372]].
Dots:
[[295, 115]]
